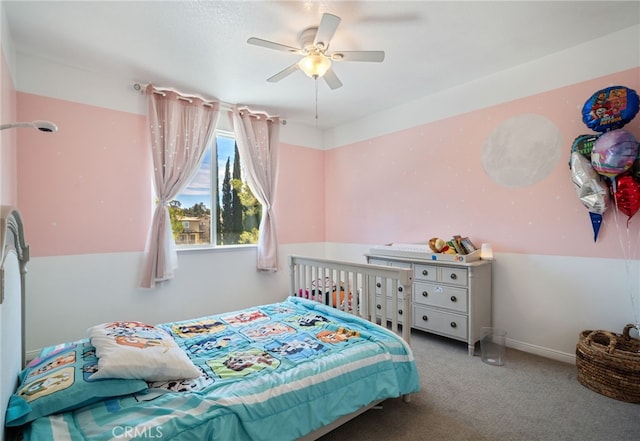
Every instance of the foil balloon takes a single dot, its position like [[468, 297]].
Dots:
[[627, 195], [610, 108], [635, 169], [592, 192], [614, 153], [583, 144]]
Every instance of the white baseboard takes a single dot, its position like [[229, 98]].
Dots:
[[539, 350]]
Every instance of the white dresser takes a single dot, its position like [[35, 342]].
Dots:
[[451, 299]]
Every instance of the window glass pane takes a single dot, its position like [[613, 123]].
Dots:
[[238, 208], [190, 211], [217, 191]]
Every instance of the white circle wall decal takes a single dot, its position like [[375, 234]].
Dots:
[[522, 150]]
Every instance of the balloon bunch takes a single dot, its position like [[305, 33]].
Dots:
[[607, 164]]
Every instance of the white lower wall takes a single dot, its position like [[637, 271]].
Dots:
[[543, 302], [68, 294]]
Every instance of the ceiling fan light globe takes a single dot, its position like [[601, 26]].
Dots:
[[314, 65]]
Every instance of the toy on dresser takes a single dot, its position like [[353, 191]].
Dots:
[[457, 245]]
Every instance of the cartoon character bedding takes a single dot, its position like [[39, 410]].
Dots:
[[277, 371]]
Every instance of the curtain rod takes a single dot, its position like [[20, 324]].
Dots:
[[225, 106]]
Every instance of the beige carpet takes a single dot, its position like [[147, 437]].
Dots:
[[529, 398]]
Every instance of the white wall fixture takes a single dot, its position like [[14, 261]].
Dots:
[[43, 126]]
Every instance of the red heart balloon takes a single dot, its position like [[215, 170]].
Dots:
[[627, 194]]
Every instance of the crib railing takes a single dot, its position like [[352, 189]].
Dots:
[[367, 290]]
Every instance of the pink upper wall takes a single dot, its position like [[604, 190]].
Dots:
[[299, 204], [86, 188], [8, 138], [429, 181]]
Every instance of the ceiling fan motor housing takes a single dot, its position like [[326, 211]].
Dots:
[[306, 39]]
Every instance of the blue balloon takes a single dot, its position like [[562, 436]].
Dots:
[[610, 108]]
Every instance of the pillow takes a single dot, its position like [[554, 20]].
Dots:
[[138, 350], [59, 380]]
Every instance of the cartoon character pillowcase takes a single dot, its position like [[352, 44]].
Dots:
[[137, 350], [60, 380]]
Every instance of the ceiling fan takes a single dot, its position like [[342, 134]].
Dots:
[[314, 48]]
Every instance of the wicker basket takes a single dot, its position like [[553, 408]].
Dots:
[[609, 363]]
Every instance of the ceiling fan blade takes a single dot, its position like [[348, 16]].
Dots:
[[328, 25], [283, 73], [375, 56], [332, 79], [272, 45]]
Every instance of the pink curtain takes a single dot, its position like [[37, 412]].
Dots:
[[258, 139], [180, 129]]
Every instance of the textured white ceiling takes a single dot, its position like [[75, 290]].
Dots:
[[199, 47]]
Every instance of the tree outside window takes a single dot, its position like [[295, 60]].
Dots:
[[217, 191]]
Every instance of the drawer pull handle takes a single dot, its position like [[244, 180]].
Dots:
[[425, 272], [379, 306], [379, 285], [454, 299], [454, 276], [425, 294], [454, 325], [399, 289], [399, 311], [425, 318]]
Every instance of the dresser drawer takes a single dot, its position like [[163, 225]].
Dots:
[[425, 272], [443, 296], [390, 311], [388, 291], [393, 263], [396, 264], [374, 261], [440, 322], [454, 276]]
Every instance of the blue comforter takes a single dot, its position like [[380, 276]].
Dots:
[[277, 371]]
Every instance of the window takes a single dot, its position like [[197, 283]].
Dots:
[[216, 208]]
